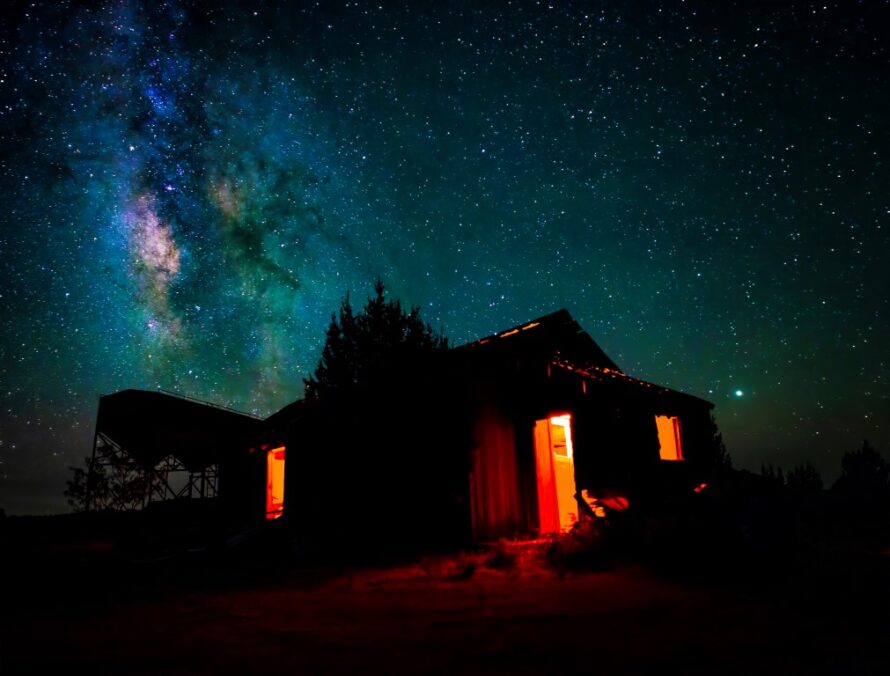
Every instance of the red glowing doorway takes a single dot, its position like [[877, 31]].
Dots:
[[555, 470]]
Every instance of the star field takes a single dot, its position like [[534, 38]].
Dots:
[[189, 189]]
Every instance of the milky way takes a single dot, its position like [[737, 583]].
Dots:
[[190, 189]]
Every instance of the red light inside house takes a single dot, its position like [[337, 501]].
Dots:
[[555, 469], [670, 446], [275, 482]]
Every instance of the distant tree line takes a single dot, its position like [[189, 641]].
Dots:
[[865, 476]]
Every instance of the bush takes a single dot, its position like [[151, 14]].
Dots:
[[584, 548]]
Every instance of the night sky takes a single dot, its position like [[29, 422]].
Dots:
[[188, 190]]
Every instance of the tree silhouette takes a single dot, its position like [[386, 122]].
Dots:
[[804, 479], [377, 401], [362, 349], [720, 457], [88, 487], [99, 486], [865, 472], [774, 477]]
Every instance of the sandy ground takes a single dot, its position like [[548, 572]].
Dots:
[[816, 617]]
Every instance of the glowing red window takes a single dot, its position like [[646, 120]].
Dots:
[[669, 437]]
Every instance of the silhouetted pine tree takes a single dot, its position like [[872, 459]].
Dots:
[[377, 397], [865, 473], [360, 349], [722, 460], [804, 479], [774, 477]]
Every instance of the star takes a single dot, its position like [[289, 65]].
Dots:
[[205, 203]]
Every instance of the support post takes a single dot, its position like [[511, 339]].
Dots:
[[90, 470]]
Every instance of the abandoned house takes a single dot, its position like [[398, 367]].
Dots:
[[515, 434]]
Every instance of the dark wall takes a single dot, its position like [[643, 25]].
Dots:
[[242, 484], [615, 443], [383, 469]]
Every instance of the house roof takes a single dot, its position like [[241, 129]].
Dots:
[[560, 340], [152, 425], [556, 333], [606, 375], [285, 415]]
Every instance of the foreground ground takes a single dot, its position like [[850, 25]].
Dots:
[[80, 612]]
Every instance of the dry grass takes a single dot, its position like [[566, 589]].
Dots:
[[517, 608]]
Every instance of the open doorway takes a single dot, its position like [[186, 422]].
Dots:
[[275, 482], [555, 470]]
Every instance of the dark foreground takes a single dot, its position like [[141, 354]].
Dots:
[[80, 611]]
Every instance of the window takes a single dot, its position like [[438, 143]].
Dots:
[[560, 435], [275, 482], [670, 447]]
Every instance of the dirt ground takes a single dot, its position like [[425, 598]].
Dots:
[[441, 616]]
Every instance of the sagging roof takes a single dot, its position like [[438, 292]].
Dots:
[[283, 417], [560, 340], [556, 333], [597, 374], [152, 425]]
